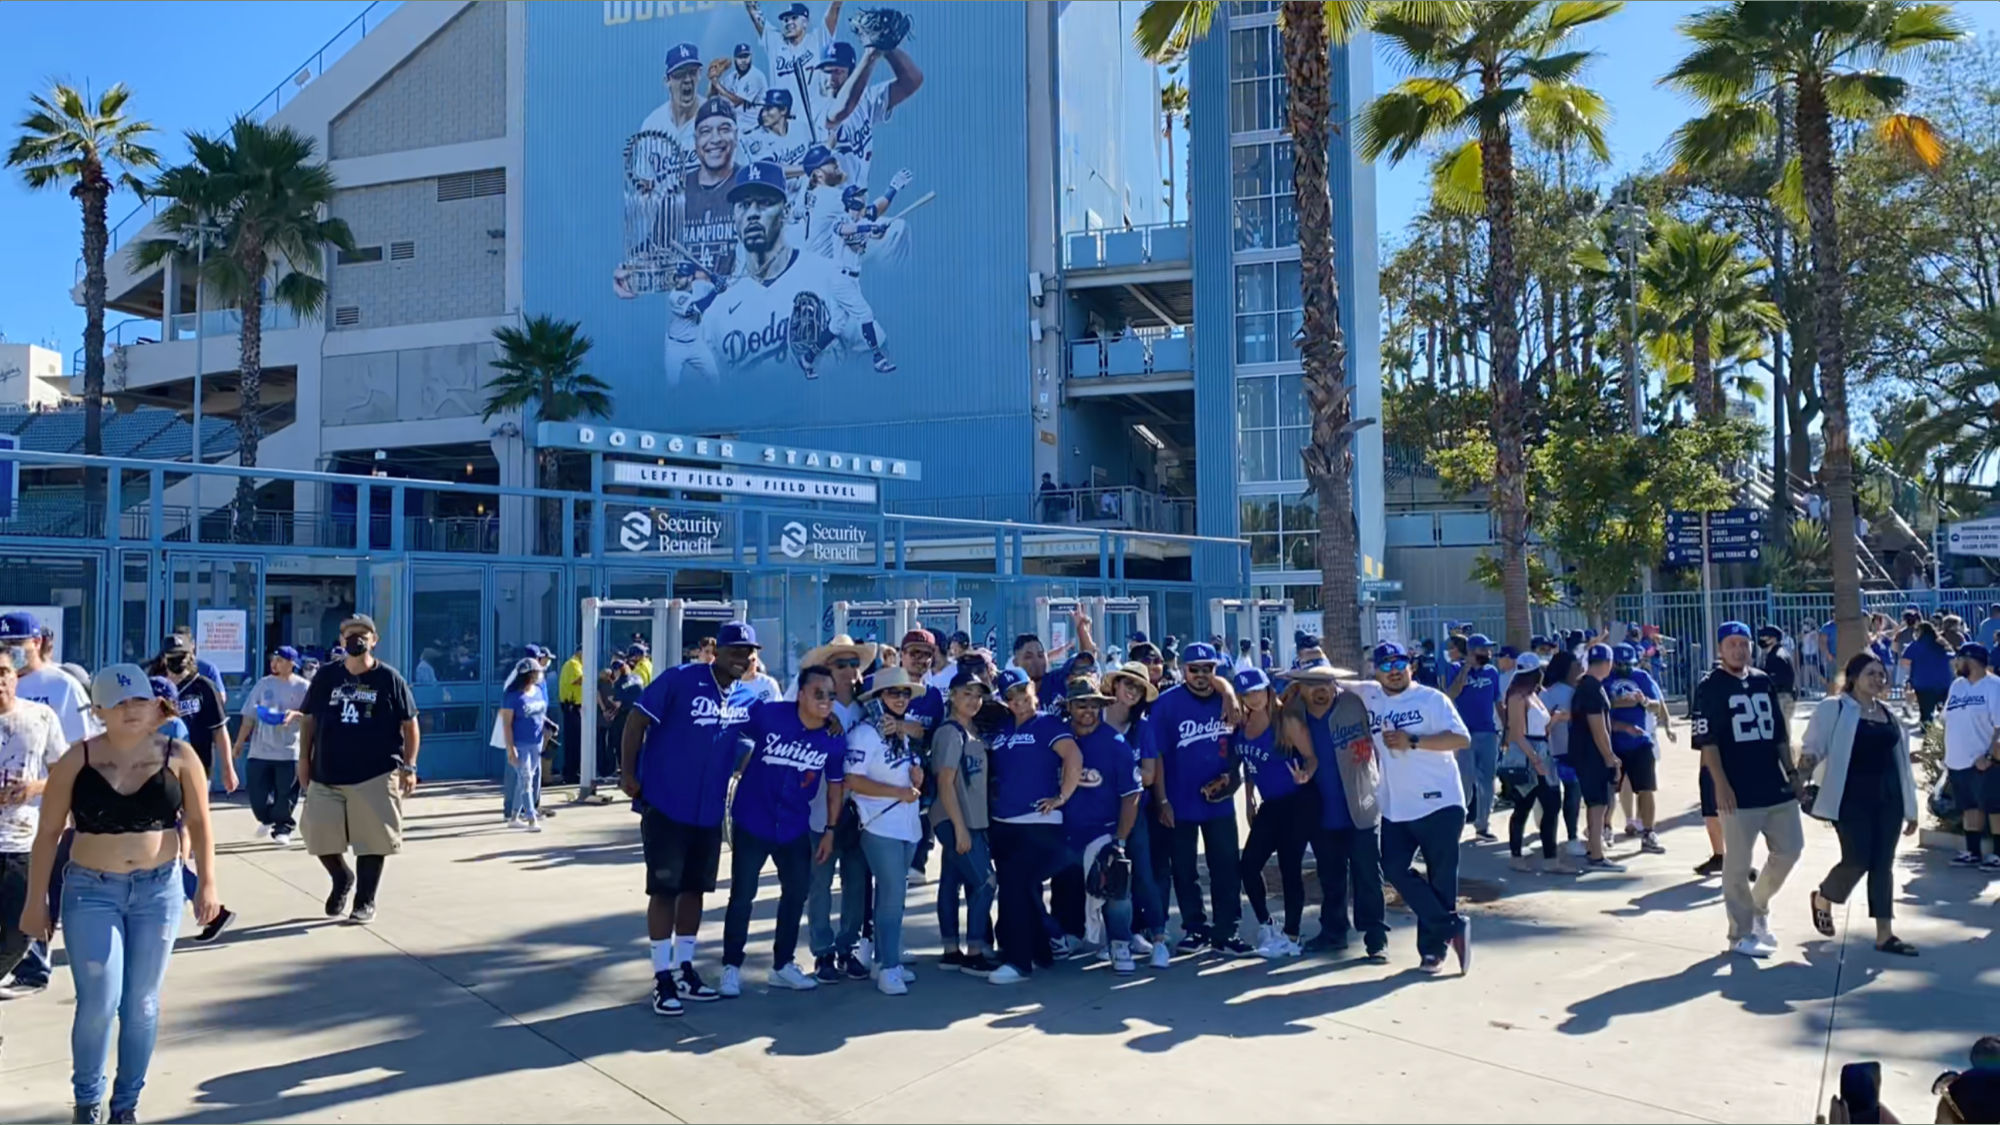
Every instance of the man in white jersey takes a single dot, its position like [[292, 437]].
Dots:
[[688, 297], [852, 108], [30, 742], [1418, 733], [1971, 718], [793, 47], [749, 327], [778, 139], [675, 116], [742, 84]]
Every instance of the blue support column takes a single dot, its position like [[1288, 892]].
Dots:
[[114, 504], [396, 521], [156, 507]]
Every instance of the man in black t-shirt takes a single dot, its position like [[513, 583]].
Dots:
[[357, 761], [1591, 756], [200, 704], [1746, 746], [1774, 663]]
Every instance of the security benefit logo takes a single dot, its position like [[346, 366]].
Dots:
[[670, 533], [814, 541]]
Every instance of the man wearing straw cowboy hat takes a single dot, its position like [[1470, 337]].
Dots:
[[1329, 727], [1097, 822], [833, 954]]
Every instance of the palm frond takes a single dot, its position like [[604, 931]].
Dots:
[[1458, 180], [1416, 110], [1166, 28], [1914, 137], [1725, 133]]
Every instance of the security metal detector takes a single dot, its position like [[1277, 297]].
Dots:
[[1244, 619], [943, 617], [882, 622], [1111, 621], [670, 620]]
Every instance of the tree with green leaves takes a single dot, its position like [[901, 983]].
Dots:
[[1477, 72], [542, 377], [1701, 283], [1824, 56], [90, 148], [259, 194]]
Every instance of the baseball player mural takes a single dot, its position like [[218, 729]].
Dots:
[[750, 210]]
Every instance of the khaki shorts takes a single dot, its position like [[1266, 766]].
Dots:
[[367, 817]]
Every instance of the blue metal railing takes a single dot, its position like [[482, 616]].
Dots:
[[1133, 355], [1126, 247]]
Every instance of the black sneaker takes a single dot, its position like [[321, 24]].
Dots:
[[336, 902], [1650, 844], [978, 965], [1233, 945], [952, 959], [364, 913], [1709, 868], [1485, 837], [124, 1117], [1194, 941], [692, 987], [1376, 957], [1323, 942], [1430, 965], [90, 1113], [21, 987], [213, 930], [827, 970], [666, 995], [1461, 945], [852, 967]]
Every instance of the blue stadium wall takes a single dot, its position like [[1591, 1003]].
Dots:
[[944, 286]]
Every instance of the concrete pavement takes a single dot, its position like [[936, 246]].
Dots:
[[505, 980]]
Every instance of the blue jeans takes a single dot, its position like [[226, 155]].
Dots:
[[36, 965], [853, 869], [1432, 896], [1067, 889], [119, 930], [747, 853], [524, 781], [1477, 764], [972, 873], [274, 792], [1149, 910], [891, 857]]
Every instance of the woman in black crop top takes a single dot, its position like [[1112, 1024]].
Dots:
[[130, 790]]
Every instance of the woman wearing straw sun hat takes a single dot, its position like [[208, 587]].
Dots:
[[885, 775]]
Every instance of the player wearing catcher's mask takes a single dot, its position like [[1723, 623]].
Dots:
[[775, 312]]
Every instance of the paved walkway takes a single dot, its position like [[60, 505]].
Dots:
[[505, 979]]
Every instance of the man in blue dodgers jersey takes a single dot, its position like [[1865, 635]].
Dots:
[[1036, 767], [1341, 765], [1635, 701], [1191, 725], [793, 744], [1097, 822], [1417, 729], [852, 107], [679, 750], [749, 326], [793, 48], [1474, 685]]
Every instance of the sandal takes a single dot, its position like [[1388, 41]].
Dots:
[[1897, 946], [1822, 916]]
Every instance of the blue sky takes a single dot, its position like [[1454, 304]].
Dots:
[[192, 65]]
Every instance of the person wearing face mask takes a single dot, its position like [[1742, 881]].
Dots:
[[358, 745], [678, 752], [792, 745], [1474, 686], [1190, 725], [129, 791], [1418, 732]]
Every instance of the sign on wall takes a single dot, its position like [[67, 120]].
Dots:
[[1974, 537], [736, 483], [826, 542], [222, 637], [669, 531]]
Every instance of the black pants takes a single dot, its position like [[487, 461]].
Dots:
[[1160, 856], [1927, 705], [1572, 806], [1432, 896], [1350, 862], [748, 852], [1283, 827], [571, 770], [13, 898], [1867, 831], [1024, 857], [1548, 800], [1218, 838]]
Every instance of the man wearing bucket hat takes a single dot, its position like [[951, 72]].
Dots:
[[1097, 822], [1190, 729], [1329, 727], [678, 750]]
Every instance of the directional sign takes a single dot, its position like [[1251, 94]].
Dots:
[[1691, 556], [1727, 517], [1382, 585], [1974, 537]]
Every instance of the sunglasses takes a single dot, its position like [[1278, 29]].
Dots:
[[1151, 660], [897, 693], [819, 695], [848, 663], [1392, 666]]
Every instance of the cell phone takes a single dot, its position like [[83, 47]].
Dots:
[[1861, 1091]]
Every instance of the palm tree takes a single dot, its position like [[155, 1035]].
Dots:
[[1959, 421], [1308, 31], [1700, 282], [1478, 71], [1173, 105], [65, 140], [541, 372], [1823, 57], [259, 196]]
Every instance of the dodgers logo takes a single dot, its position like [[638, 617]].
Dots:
[[1089, 779], [739, 346]]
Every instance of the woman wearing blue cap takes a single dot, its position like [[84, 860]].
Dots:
[[1036, 767], [1283, 810]]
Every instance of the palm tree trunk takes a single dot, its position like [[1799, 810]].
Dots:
[[1816, 160], [1705, 406], [1510, 484], [549, 508], [249, 421], [1323, 354], [91, 191], [1170, 165]]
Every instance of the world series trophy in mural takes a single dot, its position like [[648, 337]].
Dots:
[[755, 224]]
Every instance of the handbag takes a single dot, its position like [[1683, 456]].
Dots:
[[1514, 771], [498, 739]]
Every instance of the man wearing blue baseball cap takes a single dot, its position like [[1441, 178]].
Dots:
[[1747, 747], [269, 738], [1199, 776], [681, 75], [1636, 703], [1418, 734], [679, 750], [1474, 686], [1593, 756], [852, 108], [788, 283]]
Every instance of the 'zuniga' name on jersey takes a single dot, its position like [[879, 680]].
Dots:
[[799, 755]]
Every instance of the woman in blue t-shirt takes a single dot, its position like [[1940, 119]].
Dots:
[[523, 722], [1927, 669], [1132, 693], [1036, 766], [1282, 823]]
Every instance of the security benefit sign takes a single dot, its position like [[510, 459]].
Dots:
[[683, 532], [813, 541]]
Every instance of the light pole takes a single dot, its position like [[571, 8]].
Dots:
[[202, 231], [1631, 219]]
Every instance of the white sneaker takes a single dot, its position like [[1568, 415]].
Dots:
[[1279, 946], [1577, 848], [864, 952], [732, 982], [1760, 931], [1751, 947], [1140, 946], [908, 974], [890, 982], [513, 822], [793, 977], [282, 839], [1006, 974], [1121, 958], [263, 830], [1267, 932], [534, 826], [1163, 955]]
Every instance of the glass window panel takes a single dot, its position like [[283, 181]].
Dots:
[[1256, 450], [1299, 550], [1292, 400], [1285, 232], [1253, 224], [1280, 119], [1254, 408], [1282, 154], [1263, 550], [1300, 512], [1250, 52], [527, 610], [1253, 339], [444, 630], [1253, 288], [1290, 444], [1305, 598], [1250, 171], [1259, 514], [1244, 99], [1287, 293], [1290, 325]]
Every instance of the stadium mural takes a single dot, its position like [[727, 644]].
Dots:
[[762, 212]]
